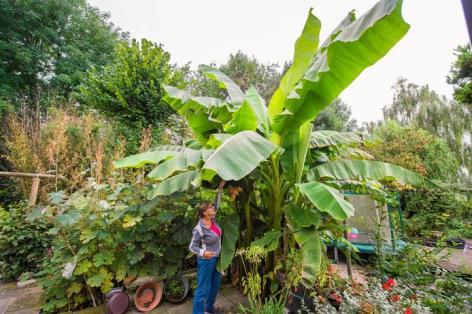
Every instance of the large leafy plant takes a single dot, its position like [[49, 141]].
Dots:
[[291, 177], [105, 233]]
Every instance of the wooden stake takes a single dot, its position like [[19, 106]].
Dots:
[[348, 253], [34, 191]]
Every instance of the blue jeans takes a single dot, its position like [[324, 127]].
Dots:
[[208, 283]]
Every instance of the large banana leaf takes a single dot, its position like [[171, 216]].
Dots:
[[235, 93], [358, 46], [197, 110], [178, 183], [310, 244], [139, 160], [239, 155], [216, 139], [303, 217], [243, 119], [168, 167], [296, 144], [258, 105], [305, 48], [367, 170], [230, 227], [332, 138], [327, 199], [192, 156]]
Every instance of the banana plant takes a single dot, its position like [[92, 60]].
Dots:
[[292, 179]]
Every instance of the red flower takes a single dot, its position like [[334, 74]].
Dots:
[[390, 282], [336, 297], [386, 286], [407, 311], [395, 298]]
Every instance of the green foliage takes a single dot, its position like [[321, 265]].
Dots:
[[337, 117], [105, 234], [129, 88], [23, 242], [51, 44], [418, 268], [437, 210], [418, 106], [461, 75], [245, 72], [415, 149], [266, 152]]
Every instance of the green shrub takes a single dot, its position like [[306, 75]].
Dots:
[[23, 241], [437, 210], [104, 234]]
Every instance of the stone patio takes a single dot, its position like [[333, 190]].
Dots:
[[27, 301], [19, 300]]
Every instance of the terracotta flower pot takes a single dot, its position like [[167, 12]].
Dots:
[[148, 296]]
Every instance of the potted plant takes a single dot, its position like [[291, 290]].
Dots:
[[176, 288]]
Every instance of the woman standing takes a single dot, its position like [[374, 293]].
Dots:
[[206, 243]]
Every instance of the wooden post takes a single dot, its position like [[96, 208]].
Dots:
[[348, 253], [34, 191]]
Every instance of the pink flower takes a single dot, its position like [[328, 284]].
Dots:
[[407, 311]]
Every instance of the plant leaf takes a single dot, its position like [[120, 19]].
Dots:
[[168, 167], [310, 244], [269, 240], [368, 170], [216, 139], [333, 138], [243, 119], [239, 155], [69, 218], [305, 48], [142, 159], [303, 217], [258, 105], [235, 93], [327, 199], [178, 183], [358, 46], [230, 227]]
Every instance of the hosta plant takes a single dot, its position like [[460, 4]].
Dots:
[[290, 178]]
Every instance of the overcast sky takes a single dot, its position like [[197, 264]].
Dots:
[[207, 31]]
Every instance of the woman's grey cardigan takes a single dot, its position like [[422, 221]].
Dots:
[[203, 239]]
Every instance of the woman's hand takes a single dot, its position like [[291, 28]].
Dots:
[[208, 254], [222, 184]]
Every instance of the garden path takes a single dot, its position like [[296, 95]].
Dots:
[[19, 300]]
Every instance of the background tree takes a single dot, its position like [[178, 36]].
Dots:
[[336, 117], [50, 43], [461, 75], [129, 91], [414, 149], [246, 72], [421, 107]]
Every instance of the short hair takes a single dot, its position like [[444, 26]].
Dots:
[[203, 207]]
